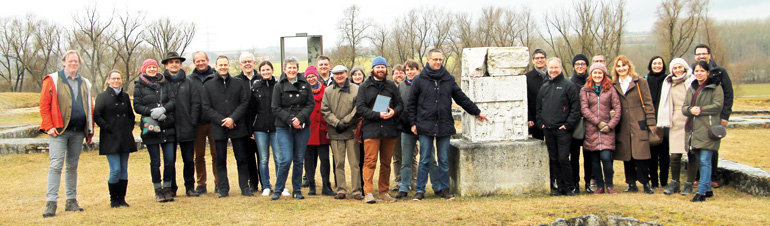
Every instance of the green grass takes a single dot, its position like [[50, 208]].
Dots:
[[10, 100]]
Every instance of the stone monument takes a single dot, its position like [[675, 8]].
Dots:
[[496, 157]]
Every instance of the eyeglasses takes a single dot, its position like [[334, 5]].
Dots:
[[116, 79], [247, 62], [580, 64], [539, 58], [702, 54]]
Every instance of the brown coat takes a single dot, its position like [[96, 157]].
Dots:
[[631, 140], [338, 105], [595, 109]]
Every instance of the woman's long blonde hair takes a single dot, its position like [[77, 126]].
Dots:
[[624, 59]]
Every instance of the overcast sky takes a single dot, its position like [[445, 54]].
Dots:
[[233, 25]]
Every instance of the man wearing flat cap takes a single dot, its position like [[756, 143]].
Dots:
[[339, 110], [188, 105]]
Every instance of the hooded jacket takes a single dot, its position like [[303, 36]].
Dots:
[[430, 102]]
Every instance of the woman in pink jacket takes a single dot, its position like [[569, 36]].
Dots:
[[597, 99]]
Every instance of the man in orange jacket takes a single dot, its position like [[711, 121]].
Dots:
[[66, 108]]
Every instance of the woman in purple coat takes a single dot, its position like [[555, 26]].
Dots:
[[597, 99]]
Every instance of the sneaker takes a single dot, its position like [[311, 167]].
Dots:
[[698, 198], [370, 198], [285, 192], [358, 197], [714, 185], [632, 188], [401, 195], [192, 193], [386, 198], [50, 209], [446, 194], [419, 196], [201, 190], [275, 196], [266, 192], [599, 191], [72, 205]]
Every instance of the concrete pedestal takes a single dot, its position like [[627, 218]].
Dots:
[[505, 167]]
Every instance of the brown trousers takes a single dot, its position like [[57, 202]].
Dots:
[[341, 149], [201, 133], [372, 147]]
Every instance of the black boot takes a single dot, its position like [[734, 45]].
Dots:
[[122, 186], [648, 189], [305, 183], [114, 193], [632, 188], [327, 189], [311, 185]]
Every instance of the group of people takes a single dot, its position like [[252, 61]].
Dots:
[[301, 117], [646, 122]]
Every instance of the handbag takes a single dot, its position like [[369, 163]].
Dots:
[[151, 126], [654, 137], [358, 134], [580, 130], [715, 132]]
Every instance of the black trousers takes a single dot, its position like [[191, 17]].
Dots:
[[558, 142], [312, 155], [660, 159], [536, 133], [188, 172], [240, 160], [636, 170], [574, 158], [251, 155]]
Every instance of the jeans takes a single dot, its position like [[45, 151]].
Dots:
[[602, 163], [118, 167], [188, 160], [240, 162], [408, 144], [426, 159], [264, 142], [558, 141], [292, 144], [169, 159], [704, 157], [64, 148]]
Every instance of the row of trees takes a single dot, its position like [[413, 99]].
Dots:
[[31, 47]]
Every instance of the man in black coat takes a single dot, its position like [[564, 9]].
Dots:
[[225, 100], [250, 76], [535, 79], [703, 53], [558, 112], [199, 76], [188, 108], [380, 128], [430, 110]]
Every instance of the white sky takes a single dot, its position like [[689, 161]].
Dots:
[[233, 25]]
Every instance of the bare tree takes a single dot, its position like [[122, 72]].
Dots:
[[17, 49], [126, 43], [677, 25], [398, 42], [91, 35], [49, 41], [166, 36], [379, 38], [353, 28]]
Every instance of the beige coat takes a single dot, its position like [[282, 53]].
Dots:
[[631, 140], [676, 132], [339, 105]]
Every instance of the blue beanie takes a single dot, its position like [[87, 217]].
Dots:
[[379, 61]]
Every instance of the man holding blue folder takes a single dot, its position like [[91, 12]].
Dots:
[[430, 109], [378, 102]]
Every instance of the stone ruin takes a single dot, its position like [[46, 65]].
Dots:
[[496, 157]]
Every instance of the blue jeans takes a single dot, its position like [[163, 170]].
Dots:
[[602, 162], [118, 167], [291, 144], [169, 159], [408, 144], [704, 157], [264, 141], [426, 157]]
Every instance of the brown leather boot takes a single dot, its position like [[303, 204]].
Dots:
[[159, 195]]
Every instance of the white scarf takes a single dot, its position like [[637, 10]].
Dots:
[[665, 112]]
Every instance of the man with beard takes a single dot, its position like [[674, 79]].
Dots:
[[225, 100], [535, 79], [188, 108], [430, 112], [249, 75], [379, 128], [202, 74], [580, 64]]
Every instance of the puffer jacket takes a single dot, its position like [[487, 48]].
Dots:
[[292, 100], [339, 106], [188, 105], [710, 100], [318, 128], [558, 104], [147, 97], [595, 109]]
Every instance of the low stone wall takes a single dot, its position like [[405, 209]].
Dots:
[[752, 180], [507, 167], [749, 122], [28, 131], [595, 220], [40, 145]]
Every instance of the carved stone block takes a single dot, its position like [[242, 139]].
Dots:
[[507, 61], [473, 64]]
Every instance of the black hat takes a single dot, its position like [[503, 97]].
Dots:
[[171, 56]]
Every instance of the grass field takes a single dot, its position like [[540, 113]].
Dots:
[[752, 90]]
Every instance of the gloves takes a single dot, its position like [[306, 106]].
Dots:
[[605, 129], [156, 112], [162, 117], [612, 113], [602, 125], [340, 128]]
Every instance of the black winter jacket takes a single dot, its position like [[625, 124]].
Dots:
[[226, 97], [115, 117], [251, 110], [534, 82], [195, 77], [373, 126], [262, 92], [146, 98], [558, 104], [430, 102], [188, 105], [292, 100]]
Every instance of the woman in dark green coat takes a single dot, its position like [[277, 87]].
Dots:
[[703, 103]]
